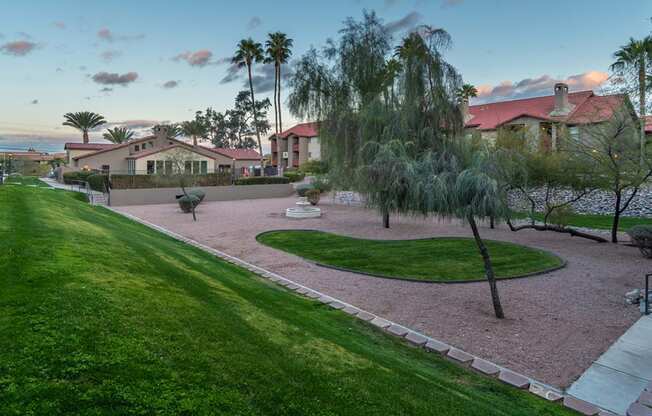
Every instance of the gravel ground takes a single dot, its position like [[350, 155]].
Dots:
[[557, 324]]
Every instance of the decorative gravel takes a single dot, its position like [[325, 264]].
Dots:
[[556, 325]]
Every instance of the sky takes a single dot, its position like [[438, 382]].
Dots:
[[142, 62]]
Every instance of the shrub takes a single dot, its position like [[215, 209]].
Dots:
[[81, 175], [187, 202], [313, 196], [641, 236], [262, 180], [168, 181], [294, 176], [321, 183], [198, 193], [561, 216], [313, 167], [303, 188], [97, 182]]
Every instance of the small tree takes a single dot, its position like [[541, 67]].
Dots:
[[179, 159]]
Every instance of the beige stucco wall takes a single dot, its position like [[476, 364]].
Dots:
[[121, 197], [74, 153], [175, 154], [116, 159]]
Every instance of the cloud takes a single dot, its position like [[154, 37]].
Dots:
[[540, 86], [110, 55], [106, 89], [59, 24], [33, 102], [18, 48], [107, 35], [409, 21], [263, 78], [170, 84], [198, 58], [107, 78], [254, 22], [450, 3]]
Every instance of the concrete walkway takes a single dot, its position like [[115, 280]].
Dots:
[[617, 379], [94, 197]]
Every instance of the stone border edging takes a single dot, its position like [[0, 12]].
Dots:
[[415, 338], [563, 264]]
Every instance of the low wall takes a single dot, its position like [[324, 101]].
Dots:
[[122, 197]]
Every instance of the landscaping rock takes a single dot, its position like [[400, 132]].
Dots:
[[416, 338], [514, 379], [485, 367], [637, 409], [436, 346], [581, 406], [459, 355]]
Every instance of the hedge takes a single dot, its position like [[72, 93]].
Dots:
[[262, 180], [294, 176], [81, 175], [97, 182], [163, 181]]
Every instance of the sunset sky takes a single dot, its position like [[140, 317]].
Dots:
[[142, 62]]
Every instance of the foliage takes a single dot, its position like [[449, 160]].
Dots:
[[303, 188], [81, 175], [193, 129], [188, 203], [313, 167], [294, 176], [321, 182], [313, 196], [641, 236], [198, 193], [595, 221], [262, 180], [173, 130], [465, 92], [83, 121], [97, 182], [165, 181], [437, 259], [278, 51], [562, 216], [118, 135]]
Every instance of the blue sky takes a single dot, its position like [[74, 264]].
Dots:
[[59, 56]]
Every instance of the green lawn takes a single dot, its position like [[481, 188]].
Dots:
[[103, 316], [435, 260], [25, 180], [600, 222]]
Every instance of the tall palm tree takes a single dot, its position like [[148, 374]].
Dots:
[[83, 121], [279, 50], [193, 129], [465, 92], [118, 135], [393, 68], [632, 60], [248, 53], [173, 131]]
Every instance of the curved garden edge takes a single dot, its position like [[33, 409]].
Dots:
[[563, 261]]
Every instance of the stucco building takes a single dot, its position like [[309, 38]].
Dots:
[[156, 154], [296, 146]]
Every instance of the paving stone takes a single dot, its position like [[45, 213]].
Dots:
[[380, 322], [416, 338], [637, 409], [351, 310], [366, 316], [303, 290], [326, 299], [485, 367], [646, 398], [581, 406], [313, 295], [293, 286], [605, 413], [275, 279], [545, 392], [459, 355], [337, 305], [398, 330], [436, 346], [514, 379]]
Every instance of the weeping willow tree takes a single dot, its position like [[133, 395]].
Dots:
[[368, 91]]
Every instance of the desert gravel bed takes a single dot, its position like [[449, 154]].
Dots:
[[557, 323]]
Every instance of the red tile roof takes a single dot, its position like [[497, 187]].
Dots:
[[301, 130], [89, 146], [588, 107], [237, 154]]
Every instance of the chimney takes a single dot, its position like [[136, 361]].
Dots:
[[161, 132], [562, 106]]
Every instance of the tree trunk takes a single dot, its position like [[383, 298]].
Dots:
[[557, 229], [253, 110], [489, 270], [280, 118], [616, 219], [85, 136], [276, 99], [386, 219], [194, 140], [492, 222], [641, 102]]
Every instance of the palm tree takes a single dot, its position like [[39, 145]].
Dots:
[[632, 60], [465, 92], [118, 135], [83, 121], [392, 69], [278, 51], [246, 55], [173, 130], [193, 129]]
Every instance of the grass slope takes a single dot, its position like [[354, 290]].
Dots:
[[101, 315], [598, 222], [435, 260], [25, 180]]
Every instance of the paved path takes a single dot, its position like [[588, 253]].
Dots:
[[619, 376], [95, 197]]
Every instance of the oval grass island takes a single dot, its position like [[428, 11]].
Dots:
[[439, 260]]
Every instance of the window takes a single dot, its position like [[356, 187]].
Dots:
[[204, 167], [144, 146], [105, 168], [131, 166], [159, 167], [195, 167], [187, 167], [137, 148], [224, 168], [150, 167], [574, 133], [168, 167]]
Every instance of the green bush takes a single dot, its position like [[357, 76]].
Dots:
[[81, 175], [262, 180], [321, 183], [641, 236], [313, 167], [294, 176], [313, 196], [168, 181], [97, 182], [198, 193], [186, 203], [303, 188], [561, 216]]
